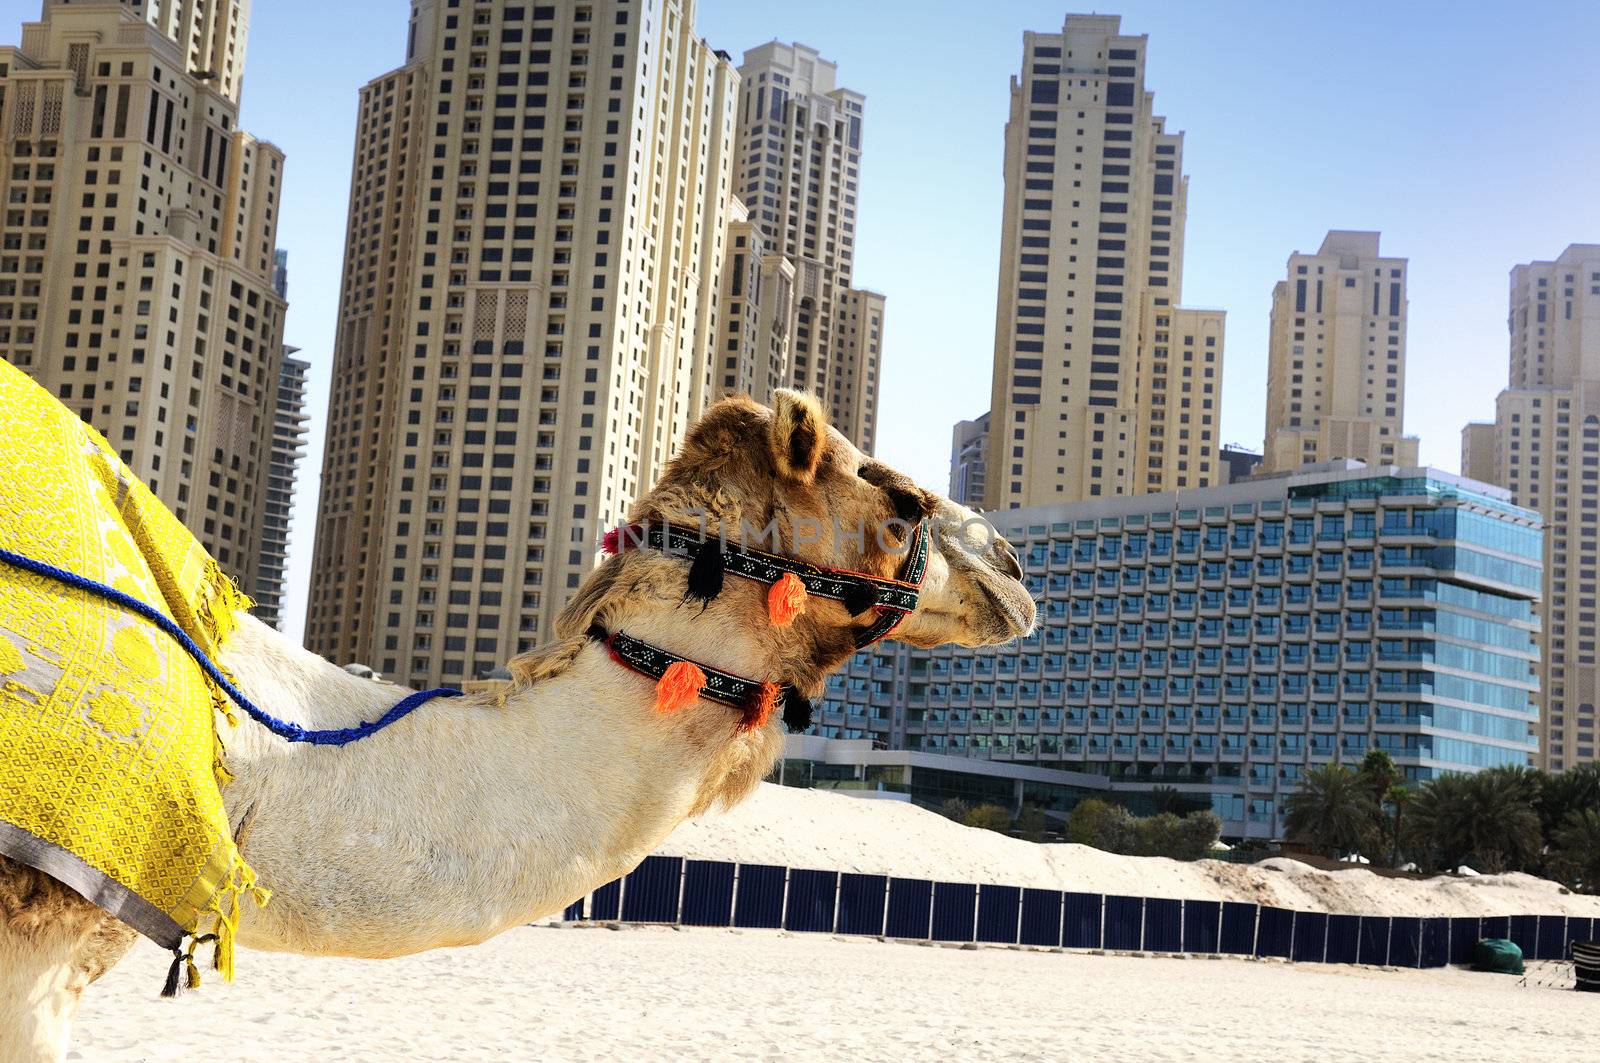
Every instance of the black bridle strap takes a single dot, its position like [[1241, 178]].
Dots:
[[728, 689], [652, 662], [894, 599]]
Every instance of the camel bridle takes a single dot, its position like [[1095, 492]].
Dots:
[[893, 599], [681, 679]]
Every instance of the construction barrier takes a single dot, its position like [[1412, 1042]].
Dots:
[[670, 889]]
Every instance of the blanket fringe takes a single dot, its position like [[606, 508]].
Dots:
[[224, 912], [224, 909]]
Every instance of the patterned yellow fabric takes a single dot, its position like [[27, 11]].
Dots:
[[108, 741]]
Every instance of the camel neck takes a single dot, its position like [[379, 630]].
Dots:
[[470, 815]]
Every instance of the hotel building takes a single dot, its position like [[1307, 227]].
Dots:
[[1544, 447], [758, 299], [1336, 360], [969, 452], [1103, 385], [137, 224], [799, 172], [1230, 637], [540, 211], [289, 433]]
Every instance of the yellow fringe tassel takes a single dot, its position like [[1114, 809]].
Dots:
[[224, 909]]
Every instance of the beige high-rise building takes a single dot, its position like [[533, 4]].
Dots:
[[1103, 384], [799, 171], [758, 303], [1480, 458], [1544, 446], [969, 452], [539, 214], [1336, 358], [853, 384], [137, 225]]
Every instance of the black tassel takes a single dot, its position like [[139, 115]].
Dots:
[[859, 597], [170, 989], [705, 575], [796, 710]]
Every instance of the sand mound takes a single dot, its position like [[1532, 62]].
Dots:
[[814, 828]]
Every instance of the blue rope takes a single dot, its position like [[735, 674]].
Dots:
[[284, 729]]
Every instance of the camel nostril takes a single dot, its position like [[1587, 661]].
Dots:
[[1008, 560]]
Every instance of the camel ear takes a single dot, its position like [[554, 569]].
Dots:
[[584, 608], [799, 433]]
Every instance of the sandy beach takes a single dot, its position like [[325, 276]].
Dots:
[[649, 993], [815, 828], [653, 992]]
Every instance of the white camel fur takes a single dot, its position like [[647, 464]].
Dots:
[[476, 814]]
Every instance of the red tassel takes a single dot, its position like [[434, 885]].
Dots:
[[678, 686], [786, 600], [760, 710], [611, 542]]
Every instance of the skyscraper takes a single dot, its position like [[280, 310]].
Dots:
[[1103, 384], [283, 465], [758, 299], [289, 431], [1336, 362], [137, 225], [538, 220], [1544, 446], [799, 162], [853, 383], [969, 451]]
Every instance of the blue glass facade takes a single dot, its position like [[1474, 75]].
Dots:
[[1232, 636]]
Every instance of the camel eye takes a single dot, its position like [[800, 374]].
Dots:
[[905, 498], [907, 505]]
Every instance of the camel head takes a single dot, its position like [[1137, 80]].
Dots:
[[783, 481], [781, 484]]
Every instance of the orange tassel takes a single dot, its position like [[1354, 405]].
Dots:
[[757, 714], [786, 600], [678, 686]]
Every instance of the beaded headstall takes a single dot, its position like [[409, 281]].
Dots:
[[791, 579], [680, 680]]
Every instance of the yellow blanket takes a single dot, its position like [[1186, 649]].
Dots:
[[109, 757]]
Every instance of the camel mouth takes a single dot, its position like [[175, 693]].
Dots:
[[1014, 611]]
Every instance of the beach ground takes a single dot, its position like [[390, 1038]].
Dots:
[[649, 993]]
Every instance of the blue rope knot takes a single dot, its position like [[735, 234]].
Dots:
[[285, 729]]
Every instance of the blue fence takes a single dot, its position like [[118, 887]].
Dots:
[[670, 889]]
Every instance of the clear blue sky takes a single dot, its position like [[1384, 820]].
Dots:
[[1468, 133]]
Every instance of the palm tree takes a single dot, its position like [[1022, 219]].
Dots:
[[1487, 818], [1578, 849], [1399, 799], [1505, 826], [1524, 783], [1567, 792], [1439, 831], [1333, 810], [1378, 774], [1387, 786]]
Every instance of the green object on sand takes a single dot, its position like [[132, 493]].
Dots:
[[1498, 956]]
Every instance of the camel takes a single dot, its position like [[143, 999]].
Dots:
[[484, 812]]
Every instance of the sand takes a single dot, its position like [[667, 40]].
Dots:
[[644, 993], [649, 993], [815, 828]]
